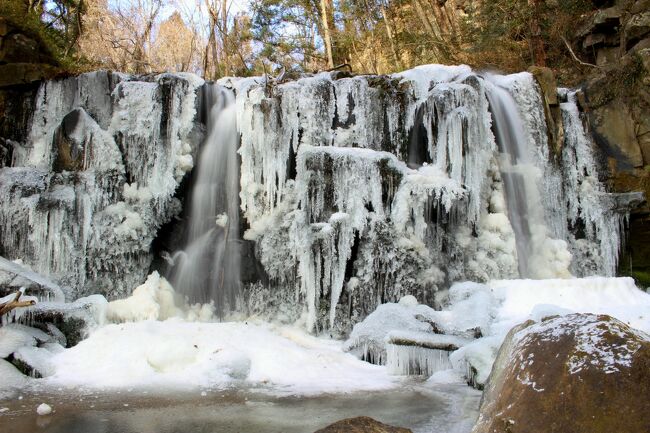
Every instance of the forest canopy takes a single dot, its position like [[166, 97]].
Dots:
[[216, 38]]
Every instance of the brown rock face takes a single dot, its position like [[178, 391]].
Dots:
[[23, 58], [617, 102], [362, 424], [581, 373]]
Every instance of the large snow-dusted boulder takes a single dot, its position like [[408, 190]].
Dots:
[[570, 374]]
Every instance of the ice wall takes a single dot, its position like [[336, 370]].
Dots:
[[356, 191], [95, 178], [359, 190]]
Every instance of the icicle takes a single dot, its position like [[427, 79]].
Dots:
[[415, 360]]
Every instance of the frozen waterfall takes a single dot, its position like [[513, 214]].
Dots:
[[315, 199], [207, 269], [520, 179]]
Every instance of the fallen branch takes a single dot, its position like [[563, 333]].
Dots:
[[576, 57], [341, 66], [6, 307]]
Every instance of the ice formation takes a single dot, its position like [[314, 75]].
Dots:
[[156, 300], [355, 191], [96, 177], [411, 338], [44, 409], [452, 177]]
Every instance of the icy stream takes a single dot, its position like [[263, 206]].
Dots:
[[450, 408]]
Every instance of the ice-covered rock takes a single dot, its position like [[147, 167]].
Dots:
[[44, 409], [35, 361], [66, 323], [408, 338], [96, 177], [15, 276], [475, 319], [12, 339], [12, 378]]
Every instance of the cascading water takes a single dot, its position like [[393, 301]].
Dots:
[[207, 269], [520, 177]]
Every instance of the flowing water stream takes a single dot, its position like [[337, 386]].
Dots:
[[207, 269], [520, 177]]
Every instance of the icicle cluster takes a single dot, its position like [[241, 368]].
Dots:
[[96, 177], [355, 190], [586, 200], [361, 190]]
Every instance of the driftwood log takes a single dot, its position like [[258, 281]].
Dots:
[[8, 306]]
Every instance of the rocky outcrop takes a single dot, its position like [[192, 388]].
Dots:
[[617, 100], [23, 58], [362, 424], [573, 374]]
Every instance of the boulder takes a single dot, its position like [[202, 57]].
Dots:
[[361, 424], [572, 374], [637, 26]]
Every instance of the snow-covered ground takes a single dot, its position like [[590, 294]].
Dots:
[[488, 311], [155, 340], [177, 353]]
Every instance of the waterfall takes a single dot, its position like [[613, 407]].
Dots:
[[520, 178], [517, 173], [349, 192], [207, 269]]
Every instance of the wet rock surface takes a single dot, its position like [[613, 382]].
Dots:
[[617, 101], [362, 424]]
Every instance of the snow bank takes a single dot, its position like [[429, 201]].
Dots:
[[489, 311], [507, 303], [174, 353]]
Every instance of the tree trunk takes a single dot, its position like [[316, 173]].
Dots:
[[327, 38], [389, 32], [536, 41], [224, 38]]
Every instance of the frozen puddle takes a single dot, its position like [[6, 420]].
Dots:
[[443, 409]]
